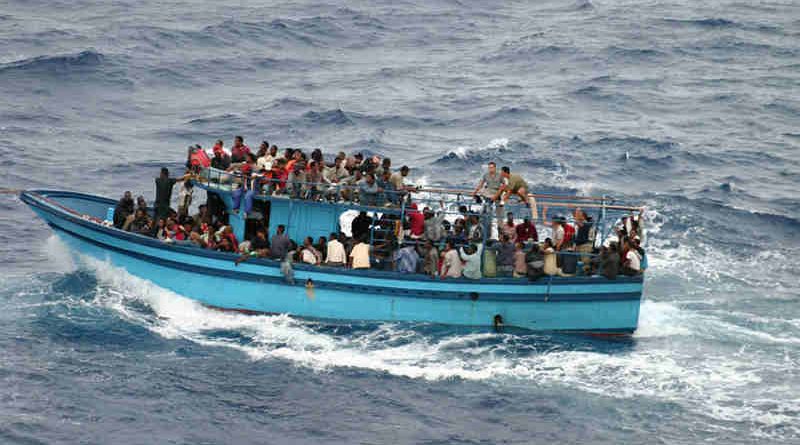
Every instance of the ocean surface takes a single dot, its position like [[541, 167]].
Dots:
[[691, 108]]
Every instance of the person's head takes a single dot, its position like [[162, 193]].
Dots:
[[288, 153], [220, 143], [404, 170], [386, 163], [526, 220], [273, 150], [297, 155], [127, 196], [518, 245], [161, 223], [264, 146], [281, 228], [218, 150], [386, 175], [322, 241], [251, 158], [308, 241], [505, 238], [164, 172], [510, 217], [334, 236], [492, 168], [316, 155], [370, 178], [448, 245], [203, 209], [548, 242], [141, 213], [505, 172], [238, 141], [358, 157]]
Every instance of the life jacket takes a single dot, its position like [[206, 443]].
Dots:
[[199, 158], [569, 233]]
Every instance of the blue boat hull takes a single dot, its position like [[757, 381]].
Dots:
[[557, 304]]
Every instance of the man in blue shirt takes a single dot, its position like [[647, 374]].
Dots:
[[406, 259]]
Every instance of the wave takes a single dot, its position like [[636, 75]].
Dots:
[[61, 64], [335, 117], [630, 370], [495, 150]]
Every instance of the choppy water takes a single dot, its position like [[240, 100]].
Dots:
[[690, 108]]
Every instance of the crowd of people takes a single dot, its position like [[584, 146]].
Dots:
[[423, 241]]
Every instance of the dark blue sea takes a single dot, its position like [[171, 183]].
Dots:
[[690, 108]]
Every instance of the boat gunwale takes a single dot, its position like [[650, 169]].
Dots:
[[40, 199]]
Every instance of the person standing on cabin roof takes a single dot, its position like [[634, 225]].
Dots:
[[489, 185], [164, 186], [514, 185], [239, 150]]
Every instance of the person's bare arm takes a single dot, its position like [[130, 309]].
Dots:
[[478, 188]]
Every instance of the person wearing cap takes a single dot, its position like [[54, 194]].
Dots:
[[221, 160]]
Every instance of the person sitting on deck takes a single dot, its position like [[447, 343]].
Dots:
[[265, 160], [505, 256], [549, 253], [398, 179], [279, 243], [123, 210], [141, 223], [526, 230], [508, 227], [433, 230], [609, 261], [535, 262], [336, 255], [406, 259], [471, 256], [631, 261], [430, 259], [310, 254], [239, 150], [360, 255], [452, 267], [259, 244], [296, 182], [520, 263], [368, 191], [416, 222], [389, 196]]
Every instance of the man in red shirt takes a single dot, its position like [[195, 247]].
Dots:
[[239, 151], [526, 231]]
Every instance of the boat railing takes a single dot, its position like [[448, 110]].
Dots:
[[605, 211]]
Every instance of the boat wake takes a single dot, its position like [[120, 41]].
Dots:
[[648, 366]]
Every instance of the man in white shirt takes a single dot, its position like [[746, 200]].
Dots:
[[632, 263], [336, 254], [452, 267], [359, 256]]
